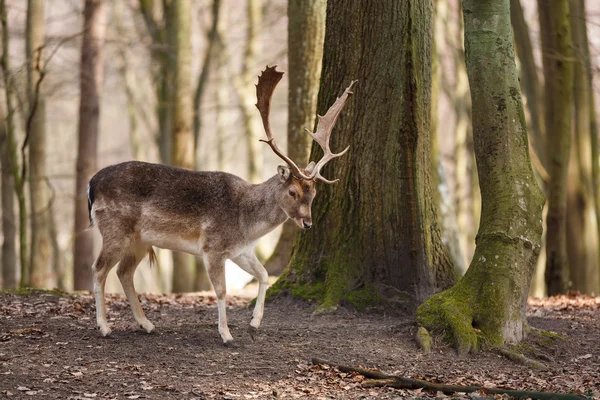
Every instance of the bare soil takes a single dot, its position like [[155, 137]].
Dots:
[[50, 348]]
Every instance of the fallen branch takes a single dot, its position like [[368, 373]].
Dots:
[[378, 379]]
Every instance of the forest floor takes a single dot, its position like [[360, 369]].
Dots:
[[50, 348]]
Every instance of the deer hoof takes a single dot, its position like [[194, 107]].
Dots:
[[231, 344], [105, 331], [147, 326], [253, 332]]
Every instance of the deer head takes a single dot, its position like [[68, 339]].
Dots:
[[298, 184]]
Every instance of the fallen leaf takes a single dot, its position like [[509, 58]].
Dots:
[[77, 373], [586, 356], [23, 388], [90, 394]]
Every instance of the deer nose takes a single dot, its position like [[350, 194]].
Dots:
[[306, 225]]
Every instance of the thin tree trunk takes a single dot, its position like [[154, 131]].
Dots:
[[489, 301], [375, 236], [212, 39], [557, 56], [163, 43], [183, 113], [18, 178], [306, 31], [129, 80], [42, 273], [246, 91], [9, 226], [91, 78], [530, 83], [582, 232]]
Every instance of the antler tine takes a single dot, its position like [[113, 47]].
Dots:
[[267, 82], [325, 126]]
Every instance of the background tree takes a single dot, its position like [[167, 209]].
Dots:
[[375, 233], [306, 31], [183, 139], [12, 161], [557, 55], [9, 226], [91, 78], [582, 232], [491, 296], [42, 274]]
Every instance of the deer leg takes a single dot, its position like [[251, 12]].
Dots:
[[215, 265], [104, 263], [249, 263], [125, 272]]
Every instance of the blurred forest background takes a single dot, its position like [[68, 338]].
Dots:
[[172, 81]]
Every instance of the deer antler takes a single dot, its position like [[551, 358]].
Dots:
[[325, 126], [267, 82]]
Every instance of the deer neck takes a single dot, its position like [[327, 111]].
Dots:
[[262, 209]]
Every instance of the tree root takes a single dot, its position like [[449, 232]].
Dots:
[[377, 379], [519, 358]]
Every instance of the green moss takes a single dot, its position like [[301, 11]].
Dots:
[[449, 313], [367, 296], [424, 339], [27, 291]]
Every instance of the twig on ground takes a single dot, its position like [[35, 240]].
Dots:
[[377, 379]]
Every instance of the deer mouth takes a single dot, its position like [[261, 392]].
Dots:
[[303, 223]]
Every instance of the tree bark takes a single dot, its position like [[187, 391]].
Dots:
[[183, 139], [9, 226], [42, 273], [306, 31], [557, 57], [488, 303], [91, 78], [375, 235], [582, 232]]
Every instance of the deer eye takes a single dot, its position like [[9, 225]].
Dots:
[[292, 193]]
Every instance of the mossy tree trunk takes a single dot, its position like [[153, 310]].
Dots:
[[42, 271], [489, 301], [306, 31], [183, 139], [582, 232], [91, 78], [375, 234], [557, 55]]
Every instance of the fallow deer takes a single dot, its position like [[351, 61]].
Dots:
[[216, 215]]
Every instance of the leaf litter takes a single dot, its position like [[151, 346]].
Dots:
[[49, 346]]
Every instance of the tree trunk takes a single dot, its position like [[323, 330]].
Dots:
[[9, 226], [212, 38], [489, 301], [375, 235], [163, 43], [183, 139], [42, 274], [444, 200], [530, 83], [91, 77], [555, 32], [247, 92], [582, 232], [306, 31], [18, 176]]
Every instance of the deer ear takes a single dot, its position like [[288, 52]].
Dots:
[[310, 167], [284, 172]]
